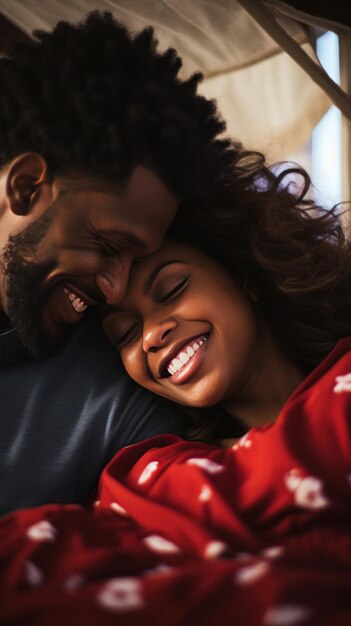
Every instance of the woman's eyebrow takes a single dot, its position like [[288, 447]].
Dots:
[[150, 281]]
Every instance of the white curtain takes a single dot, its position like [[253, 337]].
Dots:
[[266, 98]]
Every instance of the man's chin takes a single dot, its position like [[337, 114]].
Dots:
[[52, 332], [44, 327], [40, 336], [43, 343], [56, 324]]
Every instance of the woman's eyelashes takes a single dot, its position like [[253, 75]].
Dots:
[[126, 337], [161, 296]]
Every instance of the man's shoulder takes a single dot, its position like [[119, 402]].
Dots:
[[64, 417], [85, 373], [91, 353]]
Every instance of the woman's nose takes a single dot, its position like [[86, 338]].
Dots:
[[112, 279], [158, 335]]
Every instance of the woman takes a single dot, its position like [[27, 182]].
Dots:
[[241, 317], [257, 283]]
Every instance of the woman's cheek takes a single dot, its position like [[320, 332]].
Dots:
[[134, 361], [130, 361]]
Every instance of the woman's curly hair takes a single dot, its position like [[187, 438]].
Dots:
[[265, 229], [95, 100]]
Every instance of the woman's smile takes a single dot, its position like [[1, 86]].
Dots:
[[187, 361]]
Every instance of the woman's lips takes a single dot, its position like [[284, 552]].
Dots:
[[188, 370]]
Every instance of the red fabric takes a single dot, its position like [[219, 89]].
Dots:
[[188, 533]]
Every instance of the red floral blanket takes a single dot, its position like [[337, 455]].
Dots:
[[187, 533]]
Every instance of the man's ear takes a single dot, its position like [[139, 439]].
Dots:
[[26, 174]]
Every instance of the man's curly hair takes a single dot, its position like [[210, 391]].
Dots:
[[94, 100]]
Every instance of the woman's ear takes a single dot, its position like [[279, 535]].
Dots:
[[26, 174]]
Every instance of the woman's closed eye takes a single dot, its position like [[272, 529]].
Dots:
[[171, 293], [121, 340]]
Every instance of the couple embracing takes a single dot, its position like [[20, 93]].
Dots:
[[225, 291]]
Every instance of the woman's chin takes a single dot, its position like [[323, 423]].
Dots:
[[195, 399]]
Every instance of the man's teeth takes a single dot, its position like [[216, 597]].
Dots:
[[183, 357], [78, 304]]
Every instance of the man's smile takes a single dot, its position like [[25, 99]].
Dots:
[[83, 293], [68, 301], [78, 304], [63, 307]]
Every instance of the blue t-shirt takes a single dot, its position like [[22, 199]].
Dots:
[[62, 418]]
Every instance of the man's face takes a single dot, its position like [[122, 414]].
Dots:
[[77, 253]]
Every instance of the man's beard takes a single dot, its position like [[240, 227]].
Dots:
[[22, 280]]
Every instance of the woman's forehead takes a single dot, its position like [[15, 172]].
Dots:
[[169, 252]]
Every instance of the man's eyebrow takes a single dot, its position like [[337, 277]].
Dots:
[[128, 238], [150, 281]]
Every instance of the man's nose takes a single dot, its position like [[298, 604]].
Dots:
[[157, 335], [112, 279]]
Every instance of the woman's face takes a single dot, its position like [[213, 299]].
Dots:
[[185, 330]]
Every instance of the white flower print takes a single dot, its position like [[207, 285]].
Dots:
[[309, 494], [308, 490], [147, 472], [160, 569], [42, 531], [117, 508], [243, 442], [215, 549], [287, 615], [343, 383], [160, 544], [293, 479], [73, 582], [34, 576], [206, 464], [273, 552], [121, 594], [252, 573], [205, 494]]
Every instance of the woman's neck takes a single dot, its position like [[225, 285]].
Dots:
[[274, 378]]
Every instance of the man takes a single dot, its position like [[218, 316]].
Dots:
[[99, 143]]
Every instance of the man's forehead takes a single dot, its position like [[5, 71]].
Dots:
[[141, 180], [144, 202], [146, 184]]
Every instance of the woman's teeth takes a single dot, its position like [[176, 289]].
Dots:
[[78, 304], [185, 355]]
